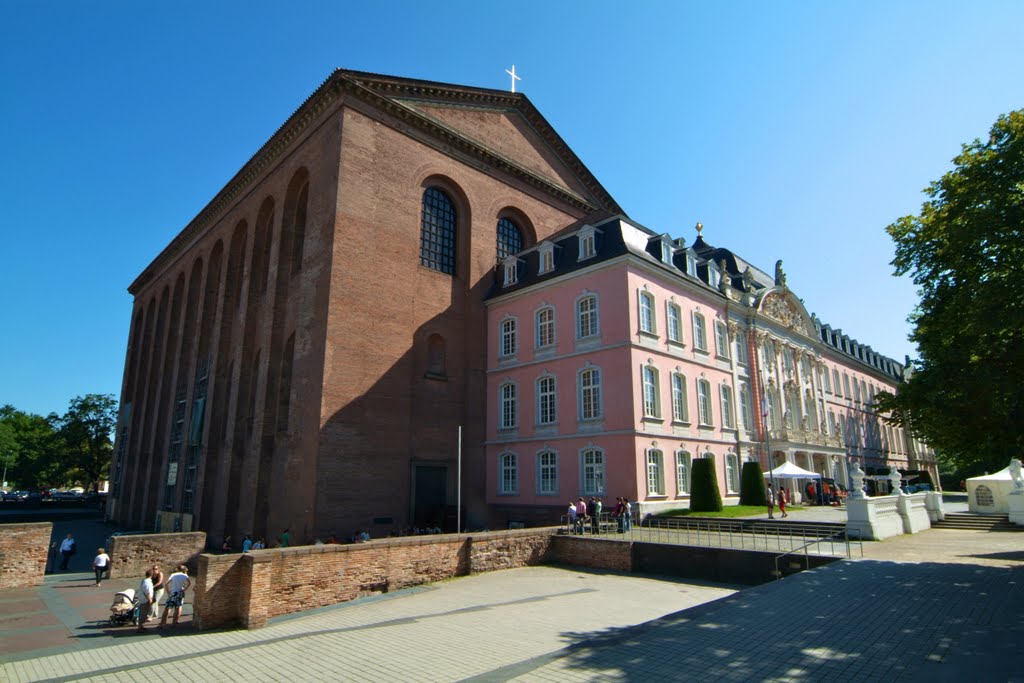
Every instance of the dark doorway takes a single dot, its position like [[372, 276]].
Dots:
[[430, 496]]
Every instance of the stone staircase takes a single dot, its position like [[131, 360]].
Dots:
[[976, 522]]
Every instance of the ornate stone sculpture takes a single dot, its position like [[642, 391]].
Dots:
[[1016, 476], [856, 481], [894, 479], [780, 275], [748, 279]]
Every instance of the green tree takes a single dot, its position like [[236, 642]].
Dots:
[[86, 430], [705, 496], [965, 252], [29, 448], [752, 488]]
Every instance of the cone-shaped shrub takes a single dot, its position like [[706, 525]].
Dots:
[[705, 496], [752, 490]]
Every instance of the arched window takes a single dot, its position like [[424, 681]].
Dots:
[[682, 473], [746, 412], [590, 393], [652, 392], [547, 473], [508, 474], [593, 471], [547, 409], [655, 473], [586, 317], [545, 327], [680, 410], [510, 238], [732, 472], [674, 317], [727, 414], [704, 403], [508, 337], [700, 336], [507, 406], [647, 321], [437, 231]]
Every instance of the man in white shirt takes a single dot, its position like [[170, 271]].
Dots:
[[145, 596], [67, 549], [177, 584]]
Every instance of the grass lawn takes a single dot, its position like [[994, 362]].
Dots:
[[730, 511]]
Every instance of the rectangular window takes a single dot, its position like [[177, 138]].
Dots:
[[507, 418], [704, 403], [700, 338], [586, 310], [547, 473], [587, 249], [546, 409], [742, 357], [593, 472], [508, 480], [511, 272], [647, 313], [746, 412], [680, 413], [727, 415], [651, 391], [835, 383], [547, 260], [508, 337], [590, 394], [682, 473], [827, 381], [721, 339], [846, 386], [666, 253], [856, 391], [655, 479], [674, 316], [545, 328]]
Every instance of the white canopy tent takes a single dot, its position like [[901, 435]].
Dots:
[[789, 470], [988, 493]]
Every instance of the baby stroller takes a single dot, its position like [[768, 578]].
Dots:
[[125, 608]]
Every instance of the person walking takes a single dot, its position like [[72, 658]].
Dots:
[[159, 587], [145, 595], [770, 500], [100, 564], [67, 549], [783, 500], [177, 584], [571, 517]]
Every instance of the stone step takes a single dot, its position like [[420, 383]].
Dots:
[[962, 520]]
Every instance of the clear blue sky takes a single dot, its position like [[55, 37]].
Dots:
[[792, 130]]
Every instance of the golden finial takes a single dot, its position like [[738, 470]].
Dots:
[[700, 226]]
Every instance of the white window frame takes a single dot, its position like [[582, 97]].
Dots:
[[507, 406], [732, 474], [587, 243], [680, 407], [721, 339], [728, 414], [742, 354], [655, 472], [550, 467], [835, 384], [826, 380], [645, 311], [593, 315], [547, 401], [511, 271], [746, 405], [546, 257], [666, 252], [683, 461], [674, 322], [700, 333], [592, 471], [594, 389], [651, 391], [508, 344], [705, 418], [545, 337], [508, 474]]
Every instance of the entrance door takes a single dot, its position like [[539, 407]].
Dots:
[[430, 496]]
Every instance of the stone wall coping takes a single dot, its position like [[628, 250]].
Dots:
[[26, 525]]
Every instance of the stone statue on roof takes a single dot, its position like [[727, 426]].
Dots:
[[724, 279], [748, 279], [780, 275]]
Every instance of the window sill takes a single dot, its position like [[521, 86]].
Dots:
[[648, 335], [437, 376], [676, 344], [702, 352], [652, 418], [720, 357], [656, 496], [508, 495], [706, 427], [680, 423]]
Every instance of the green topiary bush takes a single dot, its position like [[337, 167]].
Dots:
[[705, 496], [752, 489]]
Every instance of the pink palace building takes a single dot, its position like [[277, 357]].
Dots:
[[617, 355]]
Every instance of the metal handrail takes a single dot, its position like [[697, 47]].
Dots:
[[805, 546]]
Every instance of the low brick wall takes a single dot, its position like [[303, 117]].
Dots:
[[581, 551], [247, 589], [23, 550], [133, 554]]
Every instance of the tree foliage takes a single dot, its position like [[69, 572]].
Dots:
[[752, 489], [965, 252], [705, 496], [86, 430]]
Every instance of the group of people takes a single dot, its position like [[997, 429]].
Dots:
[[152, 589], [583, 512], [782, 498]]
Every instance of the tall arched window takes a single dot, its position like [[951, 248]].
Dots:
[[508, 475], [437, 231], [682, 473], [510, 238]]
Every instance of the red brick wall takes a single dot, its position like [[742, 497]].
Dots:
[[23, 554], [220, 588], [133, 555], [586, 552]]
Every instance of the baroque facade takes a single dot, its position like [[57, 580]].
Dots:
[[619, 354]]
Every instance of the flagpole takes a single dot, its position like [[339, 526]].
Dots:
[[458, 488]]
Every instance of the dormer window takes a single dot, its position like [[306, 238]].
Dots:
[[547, 258], [511, 270], [588, 248], [666, 253], [714, 276], [691, 264]]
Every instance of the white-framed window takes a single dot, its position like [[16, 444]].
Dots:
[[833, 426], [545, 323], [691, 264], [856, 391], [508, 474], [835, 382], [547, 409], [680, 410], [508, 337], [652, 391], [721, 339], [792, 409], [647, 319], [511, 270], [655, 473], [587, 323], [704, 403], [746, 407], [805, 368], [768, 355], [588, 248], [732, 472], [863, 392], [590, 393], [547, 473], [682, 473], [728, 421], [774, 407], [666, 253], [742, 356], [674, 320], [700, 336], [714, 275], [788, 363], [546, 252], [507, 406], [846, 386], [826, 378], [592, 470]]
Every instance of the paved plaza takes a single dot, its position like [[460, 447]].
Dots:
[[939, 605]]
